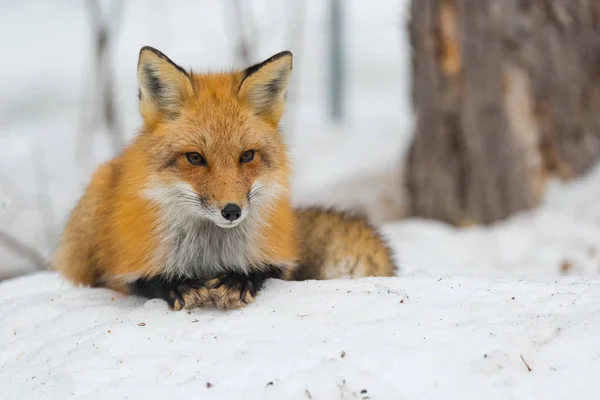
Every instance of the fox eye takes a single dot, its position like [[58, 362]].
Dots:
[[195, 159], [247, 156]]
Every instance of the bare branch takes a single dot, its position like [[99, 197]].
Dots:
[[295, 35], [23, 250], [526, 363], [102, 94], [246, 37], [43, 194]]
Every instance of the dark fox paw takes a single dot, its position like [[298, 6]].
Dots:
[[233, 290], [227, 291], [179, 294], [189, 294]]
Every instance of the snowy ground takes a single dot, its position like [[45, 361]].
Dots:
[[447, 328], [404, 338]]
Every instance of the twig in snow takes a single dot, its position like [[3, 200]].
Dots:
[[23, 250], [526, 364]]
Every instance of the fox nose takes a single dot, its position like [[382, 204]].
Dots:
[[231, 212]]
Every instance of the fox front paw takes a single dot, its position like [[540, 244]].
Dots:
[[179, 294], [232, 290], [227, 291], [188, 295]]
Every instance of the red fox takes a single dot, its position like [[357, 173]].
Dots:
[[196, 210]]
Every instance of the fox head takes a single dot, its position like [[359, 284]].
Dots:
[[212, 140]]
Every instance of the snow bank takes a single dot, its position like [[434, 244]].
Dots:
[[560, 237], [412, 337]]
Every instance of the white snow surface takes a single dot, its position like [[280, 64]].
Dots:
[[434, 337]]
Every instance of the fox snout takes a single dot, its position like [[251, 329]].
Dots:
[[231, 212], [227, 207], [230, 215], [227, 213]]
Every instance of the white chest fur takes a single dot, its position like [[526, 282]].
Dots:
[[193, 246], [197, 247]]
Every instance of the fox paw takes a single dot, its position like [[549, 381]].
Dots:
[[227, 291], [233, 290], [188, 295]]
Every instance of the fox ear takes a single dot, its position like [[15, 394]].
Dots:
[[164, 85], [264, 85]]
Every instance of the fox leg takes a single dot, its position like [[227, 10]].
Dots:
[[179, 294], [226, 291]]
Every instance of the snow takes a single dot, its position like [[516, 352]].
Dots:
[[448, 327], [413, 338], [560, 237]]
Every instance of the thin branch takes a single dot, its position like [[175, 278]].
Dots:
[[105, 62], [295, 36], [336, 71], [102, 107], [8, 219], [246, 40], [89, 101], [23, 250], [43, 194], [526, 363]]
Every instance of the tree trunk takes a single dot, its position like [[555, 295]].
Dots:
[[506, 93]]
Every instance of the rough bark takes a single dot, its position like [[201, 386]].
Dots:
[[505, 94]]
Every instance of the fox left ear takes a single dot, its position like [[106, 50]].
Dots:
[[264, 85]]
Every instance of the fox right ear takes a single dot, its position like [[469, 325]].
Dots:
[[164, 86], [263, 86]]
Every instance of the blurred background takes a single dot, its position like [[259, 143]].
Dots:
[[388, 112]]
